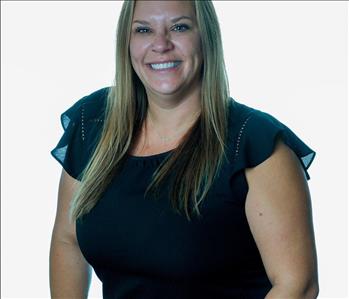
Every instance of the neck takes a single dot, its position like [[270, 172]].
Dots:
[[168, 114]]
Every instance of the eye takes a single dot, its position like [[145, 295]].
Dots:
[[186, 27], [141, 30], [177, 27]]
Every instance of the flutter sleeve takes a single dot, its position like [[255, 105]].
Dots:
[[70, 146], [256, 140], [82, 124]]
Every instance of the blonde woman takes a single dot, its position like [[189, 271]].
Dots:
[[172, 189]]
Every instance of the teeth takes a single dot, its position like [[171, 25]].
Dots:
[[167, 65]]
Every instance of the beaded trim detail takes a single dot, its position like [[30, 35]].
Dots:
[[239, 137], [83, 122]]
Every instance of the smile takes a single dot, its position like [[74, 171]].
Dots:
[[165, 66]]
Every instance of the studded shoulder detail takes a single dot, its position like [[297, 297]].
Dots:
[[239, 136], [83, 121], [86, 118]]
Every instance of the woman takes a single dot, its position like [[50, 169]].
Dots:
[[231, 213]]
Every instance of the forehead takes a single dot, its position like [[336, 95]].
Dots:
[[157, 11]]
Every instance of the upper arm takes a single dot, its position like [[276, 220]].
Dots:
[[64, 230], [278, 210]]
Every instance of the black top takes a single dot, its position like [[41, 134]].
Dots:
[[140, 248]]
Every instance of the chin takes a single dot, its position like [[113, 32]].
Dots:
[[168, 90], [166, 93]]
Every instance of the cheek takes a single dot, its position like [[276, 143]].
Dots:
[[198, 46], [191, 47], [138, 48], [133, 51]]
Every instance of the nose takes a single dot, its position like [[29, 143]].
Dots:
[[161, 43]]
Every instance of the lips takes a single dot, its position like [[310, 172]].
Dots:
[[172, 67], [164, 61]]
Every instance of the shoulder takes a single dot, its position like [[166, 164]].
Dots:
[[241, 114], [238, 112], [89, 107], [254, 134], [253, 129]]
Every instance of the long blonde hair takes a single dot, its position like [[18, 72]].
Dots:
[[197, 160]]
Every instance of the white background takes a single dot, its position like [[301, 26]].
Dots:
[[287, 58]]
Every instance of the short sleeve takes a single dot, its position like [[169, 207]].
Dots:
[[82, 124], [70, 146], [257, 138]]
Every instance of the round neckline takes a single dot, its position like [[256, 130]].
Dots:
[[161, 155], [149, 157]]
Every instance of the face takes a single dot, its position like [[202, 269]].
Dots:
[[165, 49]]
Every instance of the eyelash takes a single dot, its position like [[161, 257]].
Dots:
[[137, 30]]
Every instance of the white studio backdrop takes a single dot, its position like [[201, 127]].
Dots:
[[289, 59]]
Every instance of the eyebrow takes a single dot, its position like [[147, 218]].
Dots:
[[174, 20]]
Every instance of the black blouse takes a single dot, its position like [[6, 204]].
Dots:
[[140, 248]]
